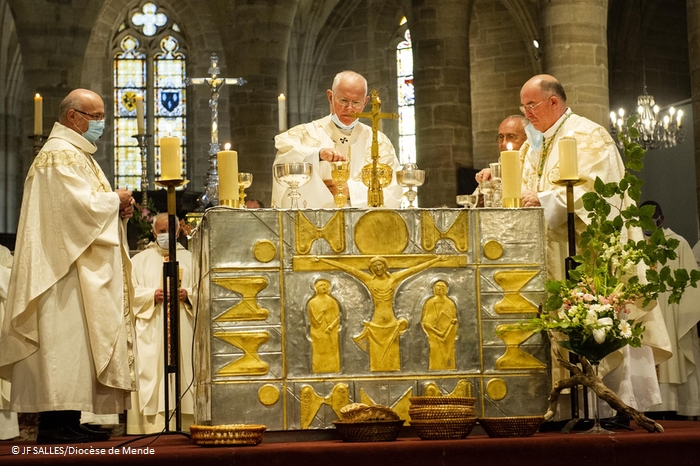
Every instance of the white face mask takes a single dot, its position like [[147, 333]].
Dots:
[[534, 136], [163, 240], [340, 125]]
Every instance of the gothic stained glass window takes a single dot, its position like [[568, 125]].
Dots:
[[149, 61], [406, 99]]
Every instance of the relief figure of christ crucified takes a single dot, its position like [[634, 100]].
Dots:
[[380, 336]]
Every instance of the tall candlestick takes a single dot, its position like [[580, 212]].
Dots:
[[228, 176], [568, 159], [282, 103], [170, 161], [38, 114], [139, 115], [511, 181]]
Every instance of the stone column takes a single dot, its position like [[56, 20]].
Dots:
[[257, 49], [693, 8], [576, 53], [440, 35]]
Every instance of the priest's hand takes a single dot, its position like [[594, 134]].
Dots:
[[331, 155], [483, 175], [158, 296], [334, 188], [530, 199], [182, 294], [126, 203]]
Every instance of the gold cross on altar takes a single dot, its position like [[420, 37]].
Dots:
[[375, 196]]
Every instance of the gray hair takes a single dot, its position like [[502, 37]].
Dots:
[[163, 215], [73, 101], [348, 76]]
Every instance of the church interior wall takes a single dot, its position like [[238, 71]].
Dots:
[[296, 47]]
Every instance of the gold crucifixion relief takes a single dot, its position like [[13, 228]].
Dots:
[[380, 336], [379, 174]]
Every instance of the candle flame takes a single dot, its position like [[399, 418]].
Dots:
[[227, 146], [510, 146], [281, 97], [38, 96], [570, 134]]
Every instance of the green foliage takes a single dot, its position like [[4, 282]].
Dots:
[[143, 219]]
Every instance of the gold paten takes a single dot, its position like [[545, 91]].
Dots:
[[268, 394], [264, 250], [458, 232], [496, 389], [311, 402], [512, 281], [375, 194], [247, 309], [250, 363], [333, 232], [493, 250], [381, 232], [515, 358]]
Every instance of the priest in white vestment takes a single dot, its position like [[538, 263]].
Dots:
[[147, 413], [336, 137], [67, 337], [679, 377], [8, 419]]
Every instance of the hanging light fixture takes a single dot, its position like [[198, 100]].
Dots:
[[654, 132]]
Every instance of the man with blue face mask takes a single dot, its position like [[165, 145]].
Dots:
[[67, 338], [147, 413], [336, 137]]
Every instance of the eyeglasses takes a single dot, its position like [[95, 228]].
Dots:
[[93, 116], [354, 104], [531, 107]]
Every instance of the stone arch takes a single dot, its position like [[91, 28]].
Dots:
[[196, 23]]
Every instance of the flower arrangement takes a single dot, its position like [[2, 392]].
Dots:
[[142, 220], [614, 271]]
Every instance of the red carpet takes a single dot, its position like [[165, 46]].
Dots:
[[679, 445]]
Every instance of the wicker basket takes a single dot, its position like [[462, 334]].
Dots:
[[369, 431], [442, 400], [232, 434], [443, 429], [516, 426], [440, 411]]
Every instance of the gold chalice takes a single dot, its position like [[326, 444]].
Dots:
[[340, 172], [408, 177], [384, 173], [244, 182]]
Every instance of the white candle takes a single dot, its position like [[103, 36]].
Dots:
[[282, 104], [170, 162], [568, 159], [139, 115], [38, 115], [511, 181], [228, 175]]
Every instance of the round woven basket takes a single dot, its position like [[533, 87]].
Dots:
[[369, 431], [442, 400], [441, 411], [232, 434], [516, 426], [443, 429]]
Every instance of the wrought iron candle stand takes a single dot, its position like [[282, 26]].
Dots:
[[142, 140], [39, 141]]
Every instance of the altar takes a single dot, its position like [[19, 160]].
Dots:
[[300, 312]]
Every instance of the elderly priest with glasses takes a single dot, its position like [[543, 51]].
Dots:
[[337, 137]]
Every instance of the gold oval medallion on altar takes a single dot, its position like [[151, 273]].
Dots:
[[381, 232], [496, 389], [493, 250], [264, 250], [268, 394]]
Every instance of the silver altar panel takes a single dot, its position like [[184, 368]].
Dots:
[[263, 274]]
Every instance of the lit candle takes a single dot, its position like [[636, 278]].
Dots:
[[139, 115], [282, 103], [511, 177], [38, 115], [170, 158], [568, 159], [228, 176]]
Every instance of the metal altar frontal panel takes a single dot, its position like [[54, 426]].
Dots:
[[304, 311]]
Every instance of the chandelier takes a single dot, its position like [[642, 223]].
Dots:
[[654, 132]]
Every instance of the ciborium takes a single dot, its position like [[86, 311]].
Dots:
[[340, 172], [245, 180], [383, 176], [293, 175], [467, 200], [409, 177]]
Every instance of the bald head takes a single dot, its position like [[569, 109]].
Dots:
[[78, 108], [512, 130], [544, 100]]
